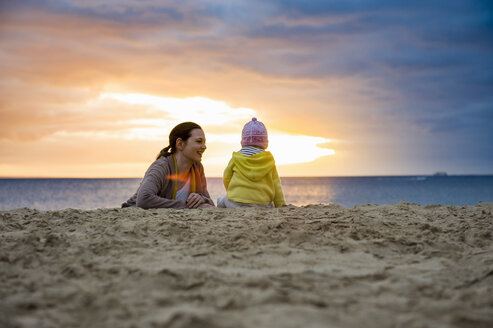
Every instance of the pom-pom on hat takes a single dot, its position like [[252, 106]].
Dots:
[[254, 134]]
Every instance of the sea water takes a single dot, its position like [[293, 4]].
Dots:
[[54, 194]]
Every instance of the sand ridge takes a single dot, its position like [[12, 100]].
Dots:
[[400, 265]]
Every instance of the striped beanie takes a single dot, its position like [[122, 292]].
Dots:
[[254, 134]]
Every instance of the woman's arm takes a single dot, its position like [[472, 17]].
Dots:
[[202, 191], [154, 181]]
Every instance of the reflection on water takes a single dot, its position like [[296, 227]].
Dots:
[[351, 191], [50, 194], [297, 191], [302, 191]]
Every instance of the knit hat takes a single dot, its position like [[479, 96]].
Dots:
[[254, 134]]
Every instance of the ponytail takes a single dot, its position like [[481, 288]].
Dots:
[[164, 152]]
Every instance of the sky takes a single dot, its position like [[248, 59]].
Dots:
[[345, 88]]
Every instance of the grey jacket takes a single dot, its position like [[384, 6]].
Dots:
[[156, 188]]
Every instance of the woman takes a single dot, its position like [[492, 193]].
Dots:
[[176, 178]]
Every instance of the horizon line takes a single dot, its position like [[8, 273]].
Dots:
[[304, 177]]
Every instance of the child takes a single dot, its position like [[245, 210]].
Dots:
[[251, 177]]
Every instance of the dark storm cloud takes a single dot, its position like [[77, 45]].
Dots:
[[435, 55]]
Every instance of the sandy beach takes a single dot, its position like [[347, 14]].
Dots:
[[401, 265]]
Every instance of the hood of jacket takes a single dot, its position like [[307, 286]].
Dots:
[[254, 167]]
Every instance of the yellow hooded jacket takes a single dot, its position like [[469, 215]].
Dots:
[[253, 179]]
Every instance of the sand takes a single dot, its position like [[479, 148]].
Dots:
[[401, 265]]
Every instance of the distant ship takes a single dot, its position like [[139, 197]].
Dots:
[[440, 174]]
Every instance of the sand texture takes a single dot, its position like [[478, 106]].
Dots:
[[401, 265]]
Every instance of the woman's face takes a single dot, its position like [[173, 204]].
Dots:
[[195, 146]]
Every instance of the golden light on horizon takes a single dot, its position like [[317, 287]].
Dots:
[[294, 149], [120, 133], [287, 148]]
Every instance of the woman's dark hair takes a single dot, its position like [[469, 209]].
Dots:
[[182, 131]]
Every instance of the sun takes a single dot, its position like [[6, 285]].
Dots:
[[293, 149]]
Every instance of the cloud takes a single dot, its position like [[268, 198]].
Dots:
[[347, 70], [203, 110]]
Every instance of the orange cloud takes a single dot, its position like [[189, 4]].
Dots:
[[56, 66]]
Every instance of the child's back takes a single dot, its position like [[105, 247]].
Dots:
[[251, 177]]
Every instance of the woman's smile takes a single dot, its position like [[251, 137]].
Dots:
[[195, 145]]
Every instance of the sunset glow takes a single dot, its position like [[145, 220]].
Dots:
[[204, 110], [294, 149], [92, 89], [286, 148]]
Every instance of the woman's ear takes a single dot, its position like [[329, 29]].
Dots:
[[179, 144]]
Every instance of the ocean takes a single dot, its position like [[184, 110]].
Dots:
[[55, 194]]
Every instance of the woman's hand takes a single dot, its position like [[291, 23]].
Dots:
[[195, 200]]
